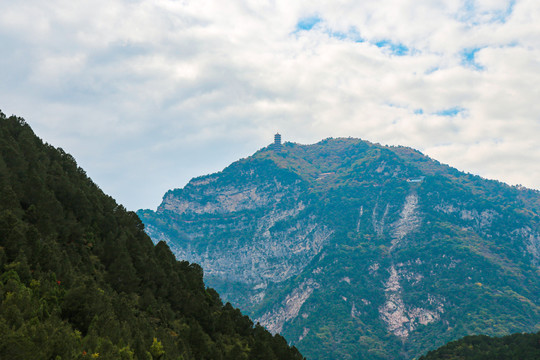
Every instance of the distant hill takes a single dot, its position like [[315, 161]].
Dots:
[[80, 279], [354, 250], [481, 347]]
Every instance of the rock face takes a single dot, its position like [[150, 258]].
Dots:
[[257, 249], [289, 308], [353, 250]]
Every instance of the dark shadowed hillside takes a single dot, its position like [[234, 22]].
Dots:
[[80, 279], [481, 347]]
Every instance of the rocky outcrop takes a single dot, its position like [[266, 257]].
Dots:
[[215, 195], [531, 240], [409, 220], [271, 237], [289, 308], [393, 312], [401, 318], [478, 219], [254, 261], [377, 220]]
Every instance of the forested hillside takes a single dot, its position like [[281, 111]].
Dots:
[[80, 279], [481, 347]]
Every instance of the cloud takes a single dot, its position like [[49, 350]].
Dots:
[[147, 94]]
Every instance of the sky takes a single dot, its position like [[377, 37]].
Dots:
[[149, 94]]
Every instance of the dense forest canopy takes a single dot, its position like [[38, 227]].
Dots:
[[79, 278], [481, 347]]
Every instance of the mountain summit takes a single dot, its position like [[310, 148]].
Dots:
[[353, 250]]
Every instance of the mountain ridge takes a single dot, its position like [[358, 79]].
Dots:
[[357, 250]]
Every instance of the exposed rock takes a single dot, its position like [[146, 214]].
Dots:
[[252, 262], [481, 220], [400, 318], [354, 311], [378, 224], [533, 247], [531, 239], [408, 221], [373, 267], [304, 334], [393, 311], [289, 308], [446, 208], [360, 213]]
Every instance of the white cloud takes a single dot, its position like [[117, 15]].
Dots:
[[147, 94]]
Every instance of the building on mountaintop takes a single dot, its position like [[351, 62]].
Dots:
[[277, 142], [416, 180]]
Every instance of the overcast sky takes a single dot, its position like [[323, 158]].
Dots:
[[148, 94]]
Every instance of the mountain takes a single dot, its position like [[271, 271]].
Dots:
[[80, 279], [354, 250], [481, 347]]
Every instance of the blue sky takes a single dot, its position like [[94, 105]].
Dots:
[[148, 94]]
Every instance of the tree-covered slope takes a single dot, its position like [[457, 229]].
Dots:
[[354, 250], [481, 347], [80, 279]]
